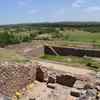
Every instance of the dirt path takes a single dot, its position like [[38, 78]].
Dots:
[[65, 68]]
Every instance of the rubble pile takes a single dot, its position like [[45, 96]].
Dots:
[[87, 89], [82, 87]]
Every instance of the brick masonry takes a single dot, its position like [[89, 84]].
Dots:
[[14, 77]]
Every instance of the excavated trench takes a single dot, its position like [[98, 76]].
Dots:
[[66, 51]]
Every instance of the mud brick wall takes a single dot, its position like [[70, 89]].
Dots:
[[66, 80], [41, 73], [66, 51], [55, 76], [14, 77]]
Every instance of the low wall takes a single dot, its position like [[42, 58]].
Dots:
[[55, 76], [66, 51], [14, 77]]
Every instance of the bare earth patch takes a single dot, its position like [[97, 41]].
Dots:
[[39, 91], [65, 68]]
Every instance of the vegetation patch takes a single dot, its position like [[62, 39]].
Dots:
[[76, 32], [81, 36], [72, 60]]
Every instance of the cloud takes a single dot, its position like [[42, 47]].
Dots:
[[92, 9], [86, 6], [78, 3]]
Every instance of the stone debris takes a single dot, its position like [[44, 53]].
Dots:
[[97, 82], [91, 92], [79, 84], [89, 86], [83, 97], [75, 92], [51, 78], [50, 85], [98, 88]]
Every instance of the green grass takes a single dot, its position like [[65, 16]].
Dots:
[[80, 36], [13, 37], [10, 55], [75, 61]]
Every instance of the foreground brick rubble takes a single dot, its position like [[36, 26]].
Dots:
[[51, 84]]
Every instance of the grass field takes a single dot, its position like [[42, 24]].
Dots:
[[81, 36], [76, 61]]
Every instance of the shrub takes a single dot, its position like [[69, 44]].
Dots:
[[13, 38]]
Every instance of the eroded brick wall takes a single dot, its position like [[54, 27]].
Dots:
[[55, 76], [14, 77]]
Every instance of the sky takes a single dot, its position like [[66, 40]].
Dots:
[[26, 11]]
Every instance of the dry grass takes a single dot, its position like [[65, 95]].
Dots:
[[11, 55]]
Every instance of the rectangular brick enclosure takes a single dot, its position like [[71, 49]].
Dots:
[[14, 77]]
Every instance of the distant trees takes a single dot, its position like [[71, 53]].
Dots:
[[13, 34], [13, 38]]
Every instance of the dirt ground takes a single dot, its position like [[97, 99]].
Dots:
[[39, 91], [65, 68]]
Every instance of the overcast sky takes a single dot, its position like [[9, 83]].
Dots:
[[25, 11]]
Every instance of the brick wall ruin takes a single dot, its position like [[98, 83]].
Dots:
[[44, 74], [14, 76]]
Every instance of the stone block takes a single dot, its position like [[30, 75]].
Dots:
[[75, 92], [66, 80], [41, 74]]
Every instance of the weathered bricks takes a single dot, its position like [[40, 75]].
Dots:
[[14, 77]]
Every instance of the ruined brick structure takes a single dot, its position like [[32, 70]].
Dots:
[[14, 77]]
